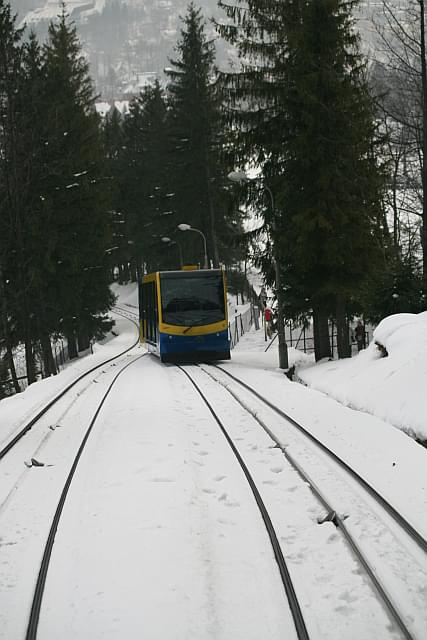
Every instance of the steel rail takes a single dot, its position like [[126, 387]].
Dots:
[[125, 313], [332, 516], [294, 606], [42, 576], [50, 404], [401, 521]]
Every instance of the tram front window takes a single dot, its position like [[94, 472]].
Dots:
[[192, 301]]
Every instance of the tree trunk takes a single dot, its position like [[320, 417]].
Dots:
[[424, 145], [9, 353], [11, 366], [29, 358], [283, 347], [343, 342], [83, 341], [48, 359], [212, 224], [72, 346], [3, 376], [322, 346]]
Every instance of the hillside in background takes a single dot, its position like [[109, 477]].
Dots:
[[128, 42]]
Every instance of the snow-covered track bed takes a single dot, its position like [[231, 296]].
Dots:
[[151, 516], [97, 370], [288, 585], [65, 463], [126, 312], [387, 546], [40, 585]]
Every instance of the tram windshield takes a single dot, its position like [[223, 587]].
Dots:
[[192, 300]]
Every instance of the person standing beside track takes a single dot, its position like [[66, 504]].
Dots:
[[268, 317], [359, 334]]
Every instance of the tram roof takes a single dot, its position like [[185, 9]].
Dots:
[[196, 273]]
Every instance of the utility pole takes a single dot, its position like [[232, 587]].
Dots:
[[283, 347]]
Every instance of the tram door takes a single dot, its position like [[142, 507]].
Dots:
[[149, 311]]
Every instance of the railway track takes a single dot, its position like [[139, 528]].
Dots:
[[126, 312], [399, 620], [25, 428], [39, 590], [404, 622], [411, 531], [300, 625], [37, 600], [33, 621]]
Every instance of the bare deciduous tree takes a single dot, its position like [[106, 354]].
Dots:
[[402, 59]]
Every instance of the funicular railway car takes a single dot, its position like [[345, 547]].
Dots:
[[183, 315]]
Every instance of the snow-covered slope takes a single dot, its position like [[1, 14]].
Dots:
[[392, 387]]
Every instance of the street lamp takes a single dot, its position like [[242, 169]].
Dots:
[[241, 177], [188, 227], [170, 241]]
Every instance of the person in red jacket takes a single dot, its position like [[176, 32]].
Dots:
[[268, 317]]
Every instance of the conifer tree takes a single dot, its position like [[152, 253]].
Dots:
[[113, 150], [145, 180], [75, 186], [304, 114], [39, 214], [15, 158], [46, 219], [196, 142]]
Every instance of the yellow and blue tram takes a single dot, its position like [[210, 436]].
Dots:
[[183, 315]]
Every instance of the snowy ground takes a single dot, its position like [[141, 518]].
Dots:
[[391, 388], [149, 544]]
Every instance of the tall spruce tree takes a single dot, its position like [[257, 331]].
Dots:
[[80, 234], [146, 195], [113, 149], [195, 138], [15, 187], [304, 114], [33, 134]]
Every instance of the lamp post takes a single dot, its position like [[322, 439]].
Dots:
[[188, 227], [241, 177], [170, 241]]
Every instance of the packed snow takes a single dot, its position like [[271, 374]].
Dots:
[[150, 539], [391, 387]]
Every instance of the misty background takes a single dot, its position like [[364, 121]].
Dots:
[[128, 43]]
